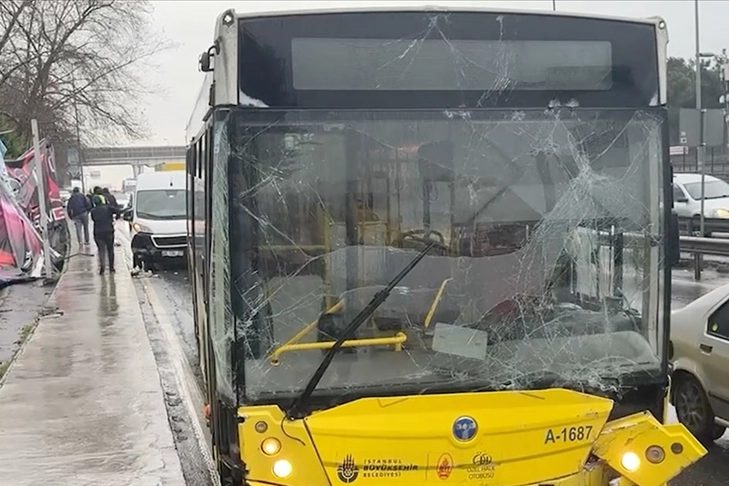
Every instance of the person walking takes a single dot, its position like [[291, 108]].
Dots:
[[103, 216], [110, 199], [78, 208]]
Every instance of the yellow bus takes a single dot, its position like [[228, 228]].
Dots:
[[433, 246], [167, 166]]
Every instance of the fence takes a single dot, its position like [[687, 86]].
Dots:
[[716, 164]]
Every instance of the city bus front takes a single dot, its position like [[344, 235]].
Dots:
[[438, 252]]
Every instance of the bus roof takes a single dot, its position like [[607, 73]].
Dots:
[[273, 9], [395, 6]]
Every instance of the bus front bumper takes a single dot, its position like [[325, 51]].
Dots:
[[549, 437], [596, 477]]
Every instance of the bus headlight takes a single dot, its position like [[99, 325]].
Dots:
[[630, 461], [282, 468], [270, 446], [655, 454]]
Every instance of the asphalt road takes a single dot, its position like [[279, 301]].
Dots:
[[172, 287]]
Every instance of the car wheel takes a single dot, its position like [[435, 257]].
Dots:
[[696, 228], [137, 262], [693, 409]]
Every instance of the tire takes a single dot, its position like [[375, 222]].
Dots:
[[718, 432], [137, 261], [226, 475], [696, 228], [693, 409]]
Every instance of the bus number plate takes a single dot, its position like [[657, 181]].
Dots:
[[568, 434]]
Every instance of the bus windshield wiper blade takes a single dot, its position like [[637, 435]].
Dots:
[[297, 409]]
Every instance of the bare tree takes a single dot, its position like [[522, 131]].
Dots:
[[70, 62], [10, 12]]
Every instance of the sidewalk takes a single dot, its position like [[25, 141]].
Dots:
[[82, 405]]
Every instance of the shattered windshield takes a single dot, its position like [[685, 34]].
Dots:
[[547, 230]]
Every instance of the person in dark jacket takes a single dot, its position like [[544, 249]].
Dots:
[[78, 208], [103, 216], [110, 199]]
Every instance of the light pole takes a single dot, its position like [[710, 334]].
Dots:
[[554, 5], [78, 133], [700, 148]]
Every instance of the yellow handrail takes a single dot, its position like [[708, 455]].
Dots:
[[310, 327], [294, 247], [436, 301], [395, 340]]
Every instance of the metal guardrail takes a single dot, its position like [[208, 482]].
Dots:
[[704, 246]]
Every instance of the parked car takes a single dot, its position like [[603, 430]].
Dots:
[[122, 199], [699, 351], [687, 203], [158, 218]]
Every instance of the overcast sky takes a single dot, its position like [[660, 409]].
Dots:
[[189, 24]]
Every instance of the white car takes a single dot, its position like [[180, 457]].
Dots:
[[122, 199], [699, 351], [687, 203]]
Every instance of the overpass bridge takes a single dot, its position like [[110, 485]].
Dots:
[[137, 157]]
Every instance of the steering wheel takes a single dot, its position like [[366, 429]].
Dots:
[[425, 238], [425, 232]]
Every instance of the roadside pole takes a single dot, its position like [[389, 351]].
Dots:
[[42, 194], [700, 149]]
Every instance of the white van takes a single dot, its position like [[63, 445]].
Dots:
[[158, 218]]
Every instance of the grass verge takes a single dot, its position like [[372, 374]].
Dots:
[[23, 337]]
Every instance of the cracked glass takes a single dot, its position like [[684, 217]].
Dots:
[[547, 256], [548, 224]]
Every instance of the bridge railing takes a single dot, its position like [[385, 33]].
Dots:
[[121, 154]]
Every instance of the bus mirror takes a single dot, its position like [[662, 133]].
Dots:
[[127, 216], [673, 251], [204, 62]]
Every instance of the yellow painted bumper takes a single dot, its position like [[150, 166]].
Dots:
[[555, 437]]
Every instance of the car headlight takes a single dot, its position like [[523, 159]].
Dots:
[[721, 213], [140, 228]]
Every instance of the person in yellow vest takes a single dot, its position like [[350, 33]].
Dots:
[[98, 196]]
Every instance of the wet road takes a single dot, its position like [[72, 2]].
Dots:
[[172, 287]]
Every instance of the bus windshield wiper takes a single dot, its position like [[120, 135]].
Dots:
[[298, 409]]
